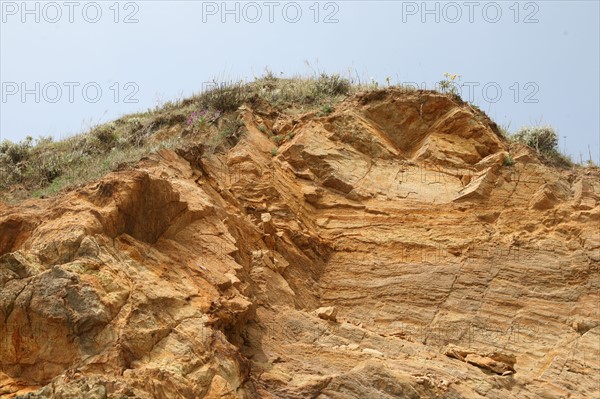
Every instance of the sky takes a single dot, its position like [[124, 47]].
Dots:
[[66, 66]]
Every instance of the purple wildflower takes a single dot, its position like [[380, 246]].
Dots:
[[191, 118]]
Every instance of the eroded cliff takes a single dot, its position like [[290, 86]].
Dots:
[[384, 250]]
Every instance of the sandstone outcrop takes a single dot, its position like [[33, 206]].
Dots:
[[197, 275]]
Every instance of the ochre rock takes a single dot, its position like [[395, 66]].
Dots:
[[327, 313], [194, 275]]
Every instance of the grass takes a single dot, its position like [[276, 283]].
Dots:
[[91, 168], [326, 110], [277, 139], [557, 159], [44, 167], [230, 132], [509, 160]]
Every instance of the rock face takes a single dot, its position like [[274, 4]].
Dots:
[[447, 274], [327, 313]]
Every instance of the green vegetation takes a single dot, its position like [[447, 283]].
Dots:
[[509, 160], [225, 96], [277, 139], [544, 140], [230, 133], [504, 130], [449, 84], [326, 110], [42, 166], [541, 138], [304, 93]]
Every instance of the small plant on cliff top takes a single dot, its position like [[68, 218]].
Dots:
[[541, 138], [331, 85], [225, 96], [450, 84], [277, 139], [509, 160], [326, 110]]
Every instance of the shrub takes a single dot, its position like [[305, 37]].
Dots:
[[269, 75], [16, 153], [44, 140], [555, 158], [326, 110], [277, 139], [105, 136], [298, 91], [133, 132], [509, 160], [542, 138], [46, 169], [333, 85], [14, 158], [228, 96]]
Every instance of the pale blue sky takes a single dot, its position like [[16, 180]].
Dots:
[[177, 45]]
